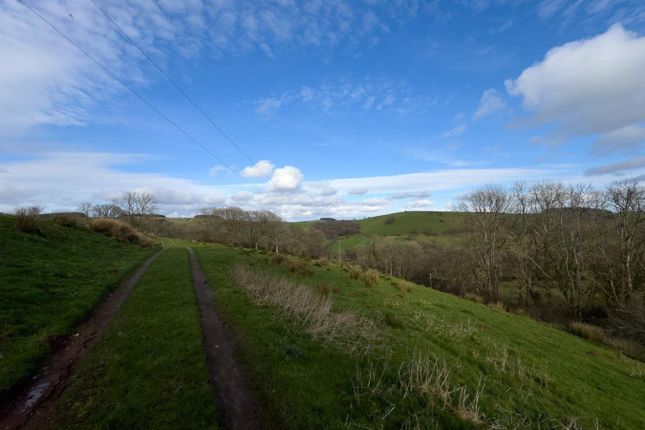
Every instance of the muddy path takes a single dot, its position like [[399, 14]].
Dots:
[[27, 407], [238, 406]]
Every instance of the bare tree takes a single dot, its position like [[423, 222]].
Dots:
[[86, 208], [135, 205], [106, 210], [486, 208], [627, 274]]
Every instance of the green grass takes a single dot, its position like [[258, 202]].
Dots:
[[422, 227], [149, 369], [416, 222], [48, 283], [533, 375]]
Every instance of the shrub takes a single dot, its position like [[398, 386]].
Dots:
[[294, 265], [118, 230], [390, 220], [68, 220], [26, 219]]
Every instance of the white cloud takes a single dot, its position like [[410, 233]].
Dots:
[[588, 87], [259, 169], [287, 178], [489, 103], [62, 180], [46, 80]]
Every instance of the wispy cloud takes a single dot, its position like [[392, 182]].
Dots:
[[366, 95], [490, 102], [617, 168], [58, 85]]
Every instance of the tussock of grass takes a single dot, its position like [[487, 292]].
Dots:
[[424, 390], [303, 304], [588, 331]]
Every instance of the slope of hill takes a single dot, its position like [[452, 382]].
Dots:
[[49, 280], [333, 346], [415, 222], [420, 226]]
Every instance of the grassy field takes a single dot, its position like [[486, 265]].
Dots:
[[416, 222], [436, 361], [49, 281], [423, 227], [148, 370]]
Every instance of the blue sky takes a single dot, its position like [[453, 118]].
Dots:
[[353, 108]]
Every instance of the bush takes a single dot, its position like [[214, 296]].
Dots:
[[389, 220], [295, 266], [68, 220], [26, 219], [119, 230]]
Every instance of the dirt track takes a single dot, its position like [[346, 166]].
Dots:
[[239, 408], [27, 407]]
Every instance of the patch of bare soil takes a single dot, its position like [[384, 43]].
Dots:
[[29, 404], [238, 406]]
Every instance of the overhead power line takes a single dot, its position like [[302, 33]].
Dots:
[[177, 87], [136, 94]]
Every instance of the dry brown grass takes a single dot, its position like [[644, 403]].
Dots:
[[119, 230], [589, 332], [304, 305], [424, 376], [294, 265], [68, 220], [370, 277], [597, 334]]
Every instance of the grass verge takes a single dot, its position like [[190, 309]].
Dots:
[[439, 362], [148, 370], [50, 281]]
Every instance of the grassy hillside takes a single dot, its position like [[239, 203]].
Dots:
[[391, 354], [49, 280], [417, 222], [419, 226]]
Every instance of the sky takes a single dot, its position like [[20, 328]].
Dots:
[[315, 108]]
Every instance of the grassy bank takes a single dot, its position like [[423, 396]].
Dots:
[[49, 281], [437, 361], [148, 370]]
